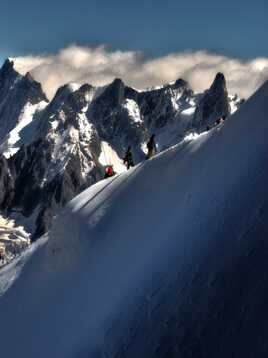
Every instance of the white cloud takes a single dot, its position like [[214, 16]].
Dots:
[[99, 66]]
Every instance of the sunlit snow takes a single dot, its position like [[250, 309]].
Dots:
[[73, 86], [133, 110], [109, 157], [13, 239], [18, 136]]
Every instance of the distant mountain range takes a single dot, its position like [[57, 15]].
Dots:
[[51, 151]]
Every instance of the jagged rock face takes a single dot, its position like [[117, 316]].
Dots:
[[64, 105], [214, 104], [111, 113], [50, 171], [63, 163], [61, 190], [64, 140], [66, 128], [158, 107], [105, 109], [6, 183], [30, 167], [113, 95], [124, 116], [15, 92]]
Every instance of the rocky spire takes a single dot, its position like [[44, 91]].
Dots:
[[7, 73], [114, 93], [7, 66], [215, 102], [219, 85]]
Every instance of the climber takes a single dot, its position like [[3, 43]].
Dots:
[[151, 147], [218, 121], [109, 172], [128, 158]]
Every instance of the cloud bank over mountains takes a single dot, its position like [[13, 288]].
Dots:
[[99, 66]]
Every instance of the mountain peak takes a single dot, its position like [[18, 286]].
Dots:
[[29, 77], [7, 70], [117, 81], [219, 83], [180, 83], [215, 101], [8, 65], [114, 93]]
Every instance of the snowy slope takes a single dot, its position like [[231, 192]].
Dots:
[[166, 260]]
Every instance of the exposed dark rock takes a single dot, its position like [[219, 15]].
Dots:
[[214, 104], [30, 166], [157, 106], [61, 190], [15, 91], [6, 183], [113, 123], [113, 95]]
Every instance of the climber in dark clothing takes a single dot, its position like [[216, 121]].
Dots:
[[128, 160], [151, 147]]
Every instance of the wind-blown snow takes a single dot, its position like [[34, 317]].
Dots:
[[166, 260]]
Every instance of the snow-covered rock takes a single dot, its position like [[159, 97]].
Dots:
[[55, 150], [13, 240], [17, 96], [213, 105]]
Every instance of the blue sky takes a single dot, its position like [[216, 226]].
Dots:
[[148, 42], [235, 28]]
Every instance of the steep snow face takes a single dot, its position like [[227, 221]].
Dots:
[[165, 260], [133, 110], [24, 132], [124, 116], [17, 94]]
